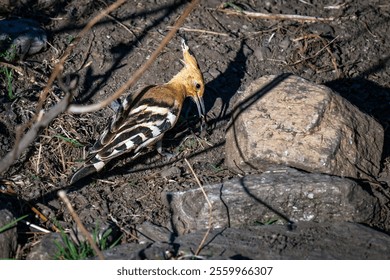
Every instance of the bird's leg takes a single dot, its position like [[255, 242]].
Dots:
[[203, 123], [163, 153]]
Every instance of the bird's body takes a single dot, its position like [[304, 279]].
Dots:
[[143, 118]]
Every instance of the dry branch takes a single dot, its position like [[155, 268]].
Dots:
[[79, 109], [60, 65], [273, 16], [30, 136], [200, 31], [200, 247], [87, 235], [22, 143]]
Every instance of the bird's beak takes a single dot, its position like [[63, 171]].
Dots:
[[200, 105]]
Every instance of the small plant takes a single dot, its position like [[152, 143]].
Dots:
[[74, 142], [8, 55], [267, 222], [189, 143], [70, 38], [8, 73], [70, 250], [216, 168], [11, 224]]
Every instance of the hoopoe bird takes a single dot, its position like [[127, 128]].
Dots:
[[143, 118]]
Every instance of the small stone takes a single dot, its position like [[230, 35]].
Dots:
[[47, 248], [285, 43], [214, 72], [247, 51], [20, 37], [261, 53], [171, 172], [148, 232]]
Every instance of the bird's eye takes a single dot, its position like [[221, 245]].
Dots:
[[197, 86]]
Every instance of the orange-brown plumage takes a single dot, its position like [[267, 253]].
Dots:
[[143, 118]]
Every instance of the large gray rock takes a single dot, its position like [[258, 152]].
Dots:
[[287, 120], [8, 238], [307, 240], [284, 195]]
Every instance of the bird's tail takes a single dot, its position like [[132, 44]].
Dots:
[[82, 173]]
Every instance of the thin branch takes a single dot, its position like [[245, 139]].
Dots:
[[36, 227], [60, 65], [79, 109], [84, 231], [273, 16], [30, 136], [200, 247], [200, 31], [16, 68], [316, 54]]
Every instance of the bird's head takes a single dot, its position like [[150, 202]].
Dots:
[[191, 78]]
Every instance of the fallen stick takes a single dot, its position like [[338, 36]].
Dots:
[[200, 31], [84, 231], [273, 16]]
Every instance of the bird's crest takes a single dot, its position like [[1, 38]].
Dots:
[[189, 60]]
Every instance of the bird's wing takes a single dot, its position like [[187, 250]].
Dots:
[[141, 121]]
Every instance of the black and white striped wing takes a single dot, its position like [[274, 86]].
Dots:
[[146, 125], [140, 122]]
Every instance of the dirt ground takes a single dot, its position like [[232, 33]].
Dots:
[[350, 54]]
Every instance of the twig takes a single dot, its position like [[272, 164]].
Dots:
[[62, 157], [60, 65], [36, 227], [79, 109], [9, 191], [29, 137], [84, 231], [273, 16], [16, 68], [200, 247], [316, 54], [200, 31], [39, 158], [335, 7], [42, 217]]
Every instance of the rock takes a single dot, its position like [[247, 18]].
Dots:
[[47, 248], [148, 232], [100, 230], [171, 172], [285, 195], [307, 240], [287, 120], [8, 238], [19, 37], [42, 6], [134, 251]]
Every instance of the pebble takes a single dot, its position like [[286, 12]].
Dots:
[[171, 172], [21, 37], [214, 72]]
